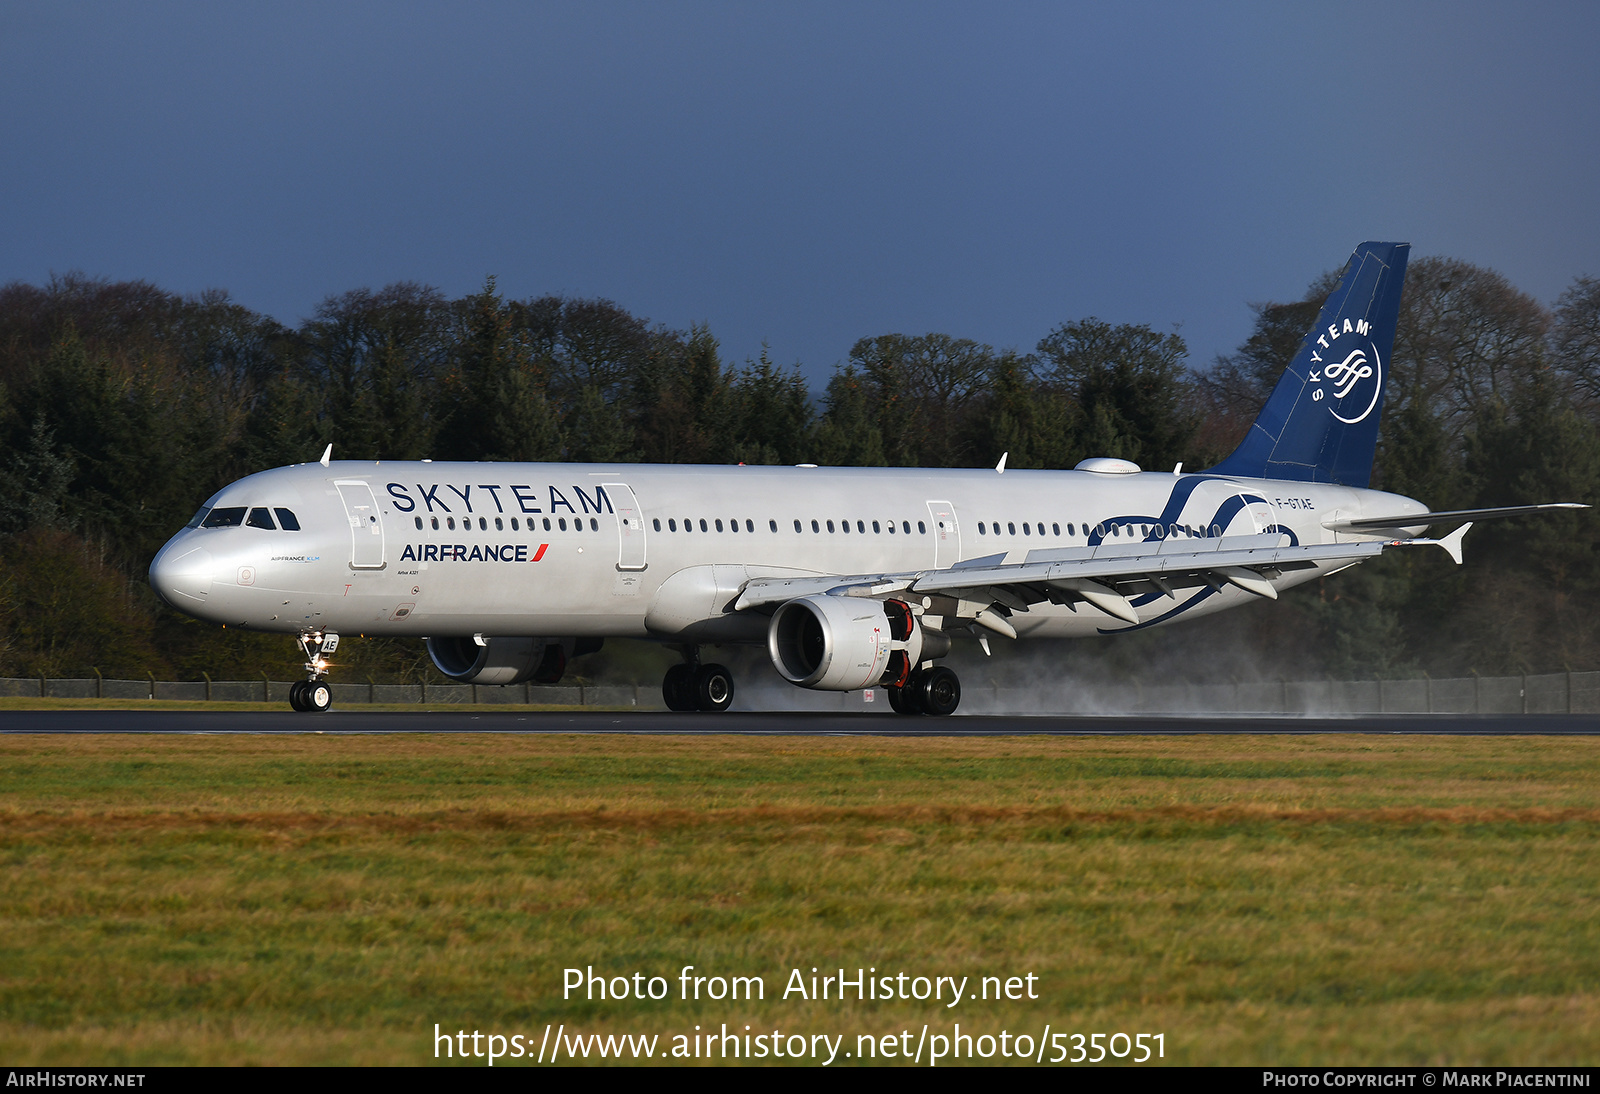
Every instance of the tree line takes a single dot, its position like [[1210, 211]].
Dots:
[[123, 406]]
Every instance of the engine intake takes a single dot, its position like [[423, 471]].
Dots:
[[842, 643]]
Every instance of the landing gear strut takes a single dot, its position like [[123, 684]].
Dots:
[[314, 694], [693, 686], [935, 691]]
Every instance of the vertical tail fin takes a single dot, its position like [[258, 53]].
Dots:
[[1321, 423]]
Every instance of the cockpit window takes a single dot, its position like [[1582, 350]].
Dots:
[[287, 519], [260, 518], [200, 515], [224, 518]]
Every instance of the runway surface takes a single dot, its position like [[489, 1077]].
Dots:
[[773, 724]]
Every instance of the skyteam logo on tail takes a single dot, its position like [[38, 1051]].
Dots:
[[1350, 377]]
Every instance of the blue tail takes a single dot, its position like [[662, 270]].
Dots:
[[1321, 424]]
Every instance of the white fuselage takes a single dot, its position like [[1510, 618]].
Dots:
[[502, 549]]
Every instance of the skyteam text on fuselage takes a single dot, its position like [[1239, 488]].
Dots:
[[851, 577]]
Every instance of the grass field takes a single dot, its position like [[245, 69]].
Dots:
[[326, 899]]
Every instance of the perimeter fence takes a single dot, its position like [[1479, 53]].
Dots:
[[1544, 693]]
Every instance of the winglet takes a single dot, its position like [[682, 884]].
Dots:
[[326, 453], [1001, 466]]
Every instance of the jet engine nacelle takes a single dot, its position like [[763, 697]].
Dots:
[[842, 643], [472, 660]]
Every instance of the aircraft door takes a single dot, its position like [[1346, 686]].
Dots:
[[946, 534], [366, 524], [630, 526]]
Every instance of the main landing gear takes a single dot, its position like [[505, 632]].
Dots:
[[314, 694], [693, 686], [935, 691]]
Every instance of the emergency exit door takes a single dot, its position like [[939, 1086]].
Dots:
[[946, 534]]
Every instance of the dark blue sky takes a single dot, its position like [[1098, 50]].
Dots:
[[801, 174]]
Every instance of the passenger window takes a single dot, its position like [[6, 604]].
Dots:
[[450, 522], [562, 523], [774, 525], [1070, 532], [1011, 527], [1025, 529], [980, 528], [749, 525], [514, 527], [797, 527], [224, 518], [845, 526], [830, 526], [1055, 529], [861, 526], [546, 524], [703, 527], [922, 528], [672, 525], [419, 524], [260, 518], [815, 527], [435, 523], [905, 526], [658, 524], [875, 529], [719, 525], [891, 527]]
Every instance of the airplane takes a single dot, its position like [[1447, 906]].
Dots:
[[853, 578]]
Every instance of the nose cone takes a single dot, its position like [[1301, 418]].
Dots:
[[182, 576]]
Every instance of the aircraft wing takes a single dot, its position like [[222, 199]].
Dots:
[[1417, 520], [1106, 575]]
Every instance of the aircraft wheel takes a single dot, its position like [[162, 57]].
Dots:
[[904, 700], [713, 687], [297, 695], [940, 692], [677, 688], [317, 696]]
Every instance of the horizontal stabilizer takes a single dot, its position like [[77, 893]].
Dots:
[[1419, 520]]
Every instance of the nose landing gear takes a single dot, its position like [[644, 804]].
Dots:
[[308, 695], [314, 694]]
